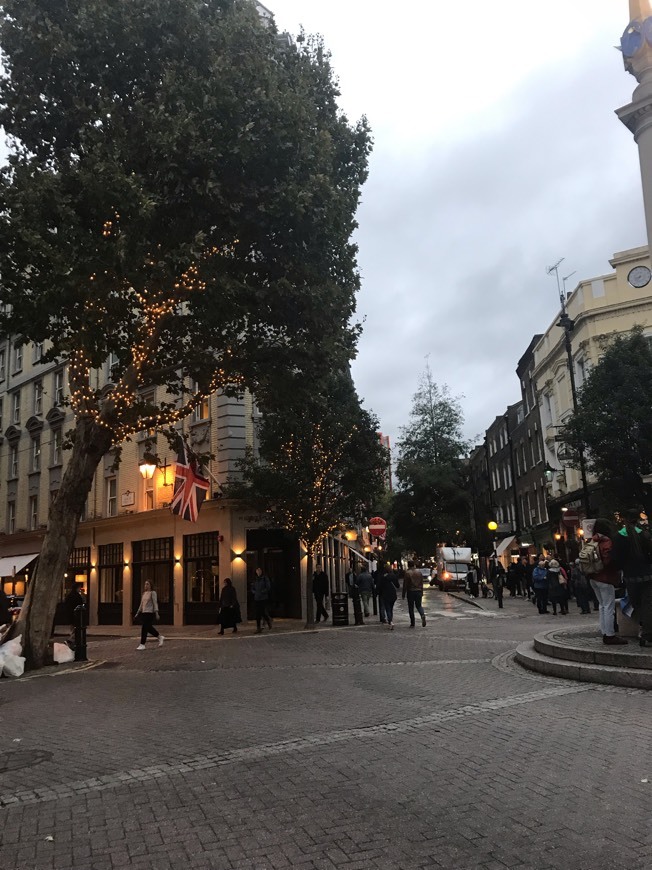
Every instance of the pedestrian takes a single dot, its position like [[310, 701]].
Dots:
[[598, 563], [5, 612], [262, 592], [497, 579], [521, 577], [581, 586], [148, 612], [413, 590], [529, 565], [71, 602], [511, 579], [229, 607], [351, 580], [387, 583], [557, 588], [382, 616], [540, 586], [472, 582], [365, 584], [320, 590], [632, 552]]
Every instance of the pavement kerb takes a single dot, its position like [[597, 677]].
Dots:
[[465, 599]]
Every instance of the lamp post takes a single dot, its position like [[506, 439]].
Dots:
[[147, 465], [568, 325]]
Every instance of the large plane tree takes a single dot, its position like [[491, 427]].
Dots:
[[180, 192]]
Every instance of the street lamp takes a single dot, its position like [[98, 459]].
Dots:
[[147, 466]]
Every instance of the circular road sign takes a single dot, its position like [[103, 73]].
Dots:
[[378, 527]]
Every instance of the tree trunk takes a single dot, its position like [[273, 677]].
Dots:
[[91, 442]]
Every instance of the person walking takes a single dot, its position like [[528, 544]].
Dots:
[[387, 583], [557, 588], [377, 575], [497, 579], [413, 590], [540, 586], [366, 588], [353, 592], [262, 592], [229, 607], [632, 552], [511, 579], [148, 612], [581, 586], [320, 590]]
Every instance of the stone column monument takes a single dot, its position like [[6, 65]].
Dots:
[[636, 45]]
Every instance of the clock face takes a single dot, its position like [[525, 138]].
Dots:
[[639, 276]]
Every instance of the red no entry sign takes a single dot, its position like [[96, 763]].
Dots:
[[378, 527]]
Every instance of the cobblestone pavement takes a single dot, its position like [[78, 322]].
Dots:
[[342, 749]]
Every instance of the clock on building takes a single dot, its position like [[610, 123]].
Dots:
[[639, 276]]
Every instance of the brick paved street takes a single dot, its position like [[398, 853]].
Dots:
[[341, 749]]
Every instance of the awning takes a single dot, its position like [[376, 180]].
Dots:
[[504, 544], [10, 565]]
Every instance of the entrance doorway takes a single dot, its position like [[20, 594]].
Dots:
[[277, 553], [153, 561], [201, 578]]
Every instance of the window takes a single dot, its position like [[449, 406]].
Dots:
[[524, 457], [201, 555], [111, 564], [11, 517], [56, 447], [111, 497], [518, 465], [580, 372], [38, 397], [1, 414], [111, 363], [149, 494], [33, 512], [58, 388], [18, 358], [53, 495], [38, 351], [15, 408], [202, 411], [36, 453], [3, 365], [13, 461]]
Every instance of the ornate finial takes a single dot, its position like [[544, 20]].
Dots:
[[636, 41]]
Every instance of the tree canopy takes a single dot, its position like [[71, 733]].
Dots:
[[180, 192], [613, 420], [431, 503]]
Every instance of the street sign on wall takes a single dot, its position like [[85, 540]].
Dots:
[[378, 527]]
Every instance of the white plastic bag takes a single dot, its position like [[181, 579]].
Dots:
[[13, 666], [13, 647], [63, 654]]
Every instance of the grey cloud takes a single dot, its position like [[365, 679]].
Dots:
[[453, 249]]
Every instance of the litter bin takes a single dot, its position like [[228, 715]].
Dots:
[[340, 608]]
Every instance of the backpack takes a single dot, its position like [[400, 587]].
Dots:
[[590, 558]]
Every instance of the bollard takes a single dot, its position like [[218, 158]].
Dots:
[[80, 634]]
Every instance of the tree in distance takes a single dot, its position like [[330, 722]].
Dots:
[[431, 503]]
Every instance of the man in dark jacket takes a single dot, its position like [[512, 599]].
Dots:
[[72, 601], [320, 590], [262, 592], [5, 613]]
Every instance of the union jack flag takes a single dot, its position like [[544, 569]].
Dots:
[[190, 487]]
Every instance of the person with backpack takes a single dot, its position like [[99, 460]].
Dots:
[[540, 586], [598, 563], [632, 553]]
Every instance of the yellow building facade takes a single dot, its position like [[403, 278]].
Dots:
[[599, 307]]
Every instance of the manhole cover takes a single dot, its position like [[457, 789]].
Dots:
[[22, 758]]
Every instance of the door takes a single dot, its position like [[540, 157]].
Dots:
[[160, 576]]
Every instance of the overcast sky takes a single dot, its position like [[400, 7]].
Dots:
[[497, 152]]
